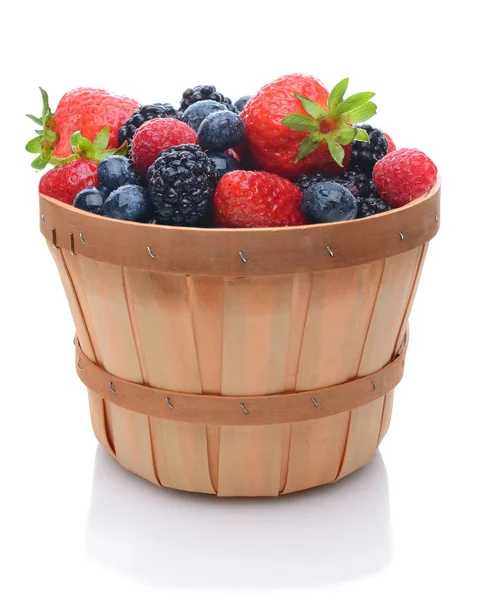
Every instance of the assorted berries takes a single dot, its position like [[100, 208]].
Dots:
[[292, 154], [404, 175]]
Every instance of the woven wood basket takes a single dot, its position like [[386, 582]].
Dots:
[[241, 362]]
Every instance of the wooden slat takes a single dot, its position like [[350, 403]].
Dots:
[[316, 451], [386, 416], [181, 456], [257, 317], [338, 316], [257, 329], [97, 409], [102, 292], [396, 287], [206, 302], [250, 460]]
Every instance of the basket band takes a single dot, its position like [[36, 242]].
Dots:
[[241, 410], [240, 252]]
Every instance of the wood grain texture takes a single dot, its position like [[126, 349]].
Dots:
[[73, 294], [206, 295], [395, 290], [250, 460], [181, 456], [256, 329], [316, 451]]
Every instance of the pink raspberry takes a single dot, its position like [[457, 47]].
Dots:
[[157, 135], [404, 175]]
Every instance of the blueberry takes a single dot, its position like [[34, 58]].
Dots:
[[195, 114], [224, 162], [128, 202], [115, 171], [220, 131], [327, 202], [241, 102], [90, 199]]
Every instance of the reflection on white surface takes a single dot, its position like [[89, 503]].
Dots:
[[165, 538]]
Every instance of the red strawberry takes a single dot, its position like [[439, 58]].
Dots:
[[391, 144], [279, 116], [157, 135], [65, 181], [84, 110], [256, 199], [404, 175]]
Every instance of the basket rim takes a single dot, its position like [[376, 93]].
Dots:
[[249, 230], [241, 252]]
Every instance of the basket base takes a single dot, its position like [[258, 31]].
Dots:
[[258, 460]]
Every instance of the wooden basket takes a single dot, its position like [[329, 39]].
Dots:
[[241, 362]]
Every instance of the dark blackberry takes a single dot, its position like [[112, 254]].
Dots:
[[366, 154], [363, 183], [371, 205], [205, 92], [141, 115], [305, 181], [181, 184]]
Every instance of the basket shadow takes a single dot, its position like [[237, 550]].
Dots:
[[165, 538]]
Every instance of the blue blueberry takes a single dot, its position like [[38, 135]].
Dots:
[[241, 102], [115, 171], [224, 162], [327, 202], [220, 131], [195, 114], [128, 202], [90, 199]]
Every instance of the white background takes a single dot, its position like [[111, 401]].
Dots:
[[73, 523]]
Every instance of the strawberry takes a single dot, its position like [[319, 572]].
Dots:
[[404, 175], [279, 116], [84, 110], [157, 135], [256, 199], [63, 182], [391, 144]]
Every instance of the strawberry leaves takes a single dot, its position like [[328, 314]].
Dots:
[[334, 127], [96, 150], [43, 144]]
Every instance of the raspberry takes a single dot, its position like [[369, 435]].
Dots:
[[256, 199], [403, 176], [157, 135]]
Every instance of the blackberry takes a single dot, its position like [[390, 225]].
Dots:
[[371, 205], [205, 92], [363, 183], [366, 154], [181, 184], [143, 114], [306, 181]]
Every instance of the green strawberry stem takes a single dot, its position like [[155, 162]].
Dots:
[[334, 126], [44, 143]]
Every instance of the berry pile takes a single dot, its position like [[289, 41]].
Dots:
[[291, 154]]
